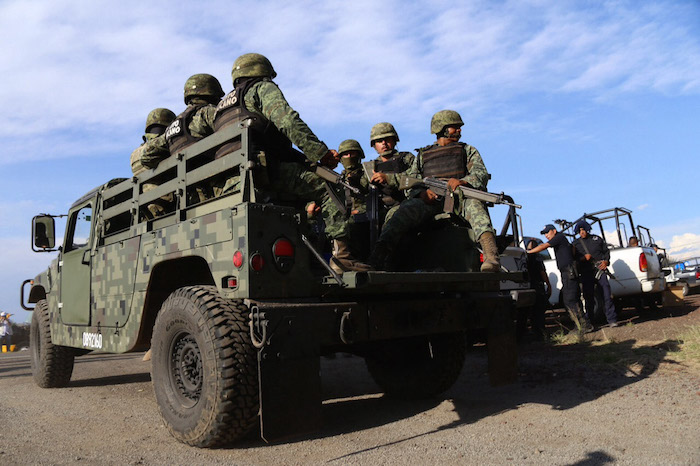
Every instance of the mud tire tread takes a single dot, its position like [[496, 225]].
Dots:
[[52, 365], [229, 401]]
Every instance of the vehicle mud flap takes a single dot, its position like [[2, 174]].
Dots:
[[502, 345], [289, 375]]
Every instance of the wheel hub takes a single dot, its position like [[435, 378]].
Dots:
[[186, 367]]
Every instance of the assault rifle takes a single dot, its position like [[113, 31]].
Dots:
[[332, 177], [442, 189]]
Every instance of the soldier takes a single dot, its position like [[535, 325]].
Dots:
[[156, 123], [276, 125], [202, 93], [388, 168], [461, 165]]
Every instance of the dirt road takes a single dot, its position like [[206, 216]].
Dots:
[[624, 402]]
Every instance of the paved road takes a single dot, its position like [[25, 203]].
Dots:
[[570, 406]]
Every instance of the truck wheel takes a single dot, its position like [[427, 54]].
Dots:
[[419, 367], [52, 365], [204, 367], [686, 289]]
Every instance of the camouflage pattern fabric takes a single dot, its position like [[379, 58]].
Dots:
[[202, 125], [294, 178], [266, 99], [477, 176], [413, 211], [136, 165], [159, 207], [393, 179], [355, 177]]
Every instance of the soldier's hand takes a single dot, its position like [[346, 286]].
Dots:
[[428, 196], [587, 257], [454, 183], [331, 159], [378, 178]]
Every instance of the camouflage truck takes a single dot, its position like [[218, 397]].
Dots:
[[237, 306]]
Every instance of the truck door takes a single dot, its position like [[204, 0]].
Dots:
[[75, 268]]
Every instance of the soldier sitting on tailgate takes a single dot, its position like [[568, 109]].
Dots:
[[460, 165], [282, 170], [202, 93], [156, 122]]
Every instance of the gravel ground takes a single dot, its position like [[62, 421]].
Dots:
[[629, 401]]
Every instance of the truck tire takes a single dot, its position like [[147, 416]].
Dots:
[[52, 365], [686, 289], [420, 367], [204, 367]]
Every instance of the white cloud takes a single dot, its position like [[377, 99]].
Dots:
[[642, 207], [99, 67], [685, 246]]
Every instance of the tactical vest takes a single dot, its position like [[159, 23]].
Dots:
[[391, 196], [444, 161], [232, 110], [177, 134]]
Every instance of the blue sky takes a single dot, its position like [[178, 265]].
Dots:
[[575, 106]]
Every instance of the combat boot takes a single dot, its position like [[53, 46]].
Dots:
[[488, 246], [343, 261], [380, 254]]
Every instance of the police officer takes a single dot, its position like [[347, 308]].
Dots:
[[569, 276], [276, 126], [202, 93], [461, 165], [156, 123], [594, 258]]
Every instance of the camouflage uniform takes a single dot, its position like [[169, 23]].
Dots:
[[415, 211], [291, 175], [390, 194], [200, 126], [451, 159], [157, 120]]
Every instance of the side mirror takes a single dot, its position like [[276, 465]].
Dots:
[[43, 233]]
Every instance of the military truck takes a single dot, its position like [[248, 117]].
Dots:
[[237, 306]]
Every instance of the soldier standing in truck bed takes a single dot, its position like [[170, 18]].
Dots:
[[277, 126], [461, 165]]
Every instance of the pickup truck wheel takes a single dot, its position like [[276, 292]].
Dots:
[[686, 289], [204, 367], [52, 365], [419, 367]]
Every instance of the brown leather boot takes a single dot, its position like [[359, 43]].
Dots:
[[342, 260], [488, 245]]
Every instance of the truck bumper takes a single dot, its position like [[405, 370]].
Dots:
[[655, 285], [291, 337]]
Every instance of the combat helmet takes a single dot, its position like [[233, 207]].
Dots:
[[351, 144], [159, 116], [381, 131], [203, 85], [251, 65], [444, 118]]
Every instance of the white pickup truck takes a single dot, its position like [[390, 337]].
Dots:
[[685, 274], [638, 280]]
